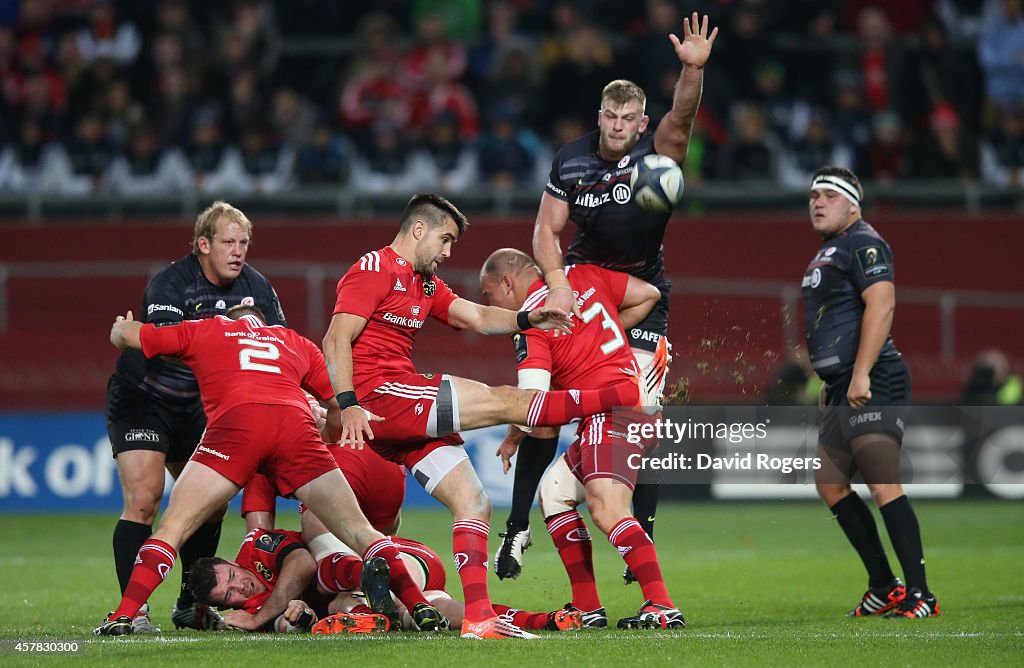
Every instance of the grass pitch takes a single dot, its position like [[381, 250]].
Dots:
[[760, 584]]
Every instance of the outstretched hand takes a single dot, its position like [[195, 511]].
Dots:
[[549, 317], [695, 47], [355, 424]]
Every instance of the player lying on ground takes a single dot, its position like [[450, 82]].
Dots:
[[273, 585]]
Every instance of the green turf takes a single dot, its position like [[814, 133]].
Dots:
[[763, 584]]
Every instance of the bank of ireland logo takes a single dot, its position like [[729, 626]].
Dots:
[[621, 193], [415, 310]]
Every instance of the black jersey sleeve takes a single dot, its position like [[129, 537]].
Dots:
[[555, 186], [164, 298], [266, 297], [274, 312], [870, 261]]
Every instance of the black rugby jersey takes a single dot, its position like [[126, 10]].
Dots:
[[182, 292], [842, 269], [612, 231]]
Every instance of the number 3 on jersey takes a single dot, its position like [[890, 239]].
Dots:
[[607, 323], [257, 350]]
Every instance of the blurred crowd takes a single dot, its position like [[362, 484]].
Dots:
[[168, 96]]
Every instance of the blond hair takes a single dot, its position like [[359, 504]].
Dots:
[[621, 91], [206, 222]]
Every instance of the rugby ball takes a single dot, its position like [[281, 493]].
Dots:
[[657, 183]]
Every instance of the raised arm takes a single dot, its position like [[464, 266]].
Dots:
[[672, 138]]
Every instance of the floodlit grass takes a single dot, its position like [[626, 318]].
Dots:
[[765, 584]]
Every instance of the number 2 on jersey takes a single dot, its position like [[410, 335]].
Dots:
[[257, 350], [607, 323]]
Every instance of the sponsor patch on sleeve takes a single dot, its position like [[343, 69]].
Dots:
[[269, 541], [519, 342], [873, 262], [167, 323]]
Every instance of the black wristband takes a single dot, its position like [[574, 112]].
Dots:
[[523, 321], [346, 399]]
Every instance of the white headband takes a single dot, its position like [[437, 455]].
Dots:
[[841, 186]]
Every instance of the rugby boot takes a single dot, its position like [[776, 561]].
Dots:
[[119, 626], [508, 560], [376, 584], [565, 619], [878, 601], [351, 623], [494, 628], [915, 605], [653, 616], [428, 618]]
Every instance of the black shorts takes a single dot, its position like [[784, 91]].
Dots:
[[886, 413], [139, 421], [647, 333]]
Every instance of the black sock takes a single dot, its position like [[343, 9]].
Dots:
[[128, 538], [203, 543], [859, 526], [645, 505], [905, 534], [534, 456]]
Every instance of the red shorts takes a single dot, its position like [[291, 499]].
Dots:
[[259, 496], [601, 449], [379, 486], [405, 401], [280, 441], [435, 567]]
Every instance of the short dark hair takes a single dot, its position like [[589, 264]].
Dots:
[[433, 209], [843, 173], [238, 310], [202, 578]]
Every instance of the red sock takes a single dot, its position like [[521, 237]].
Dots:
[[638, 551], [362, 609], [401, 582], [339, 572], [572, 540], [469, 541], [522, 618], [155, 560], [558, 407]]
